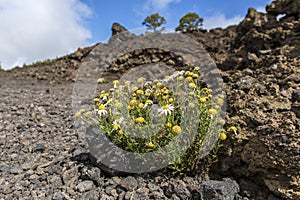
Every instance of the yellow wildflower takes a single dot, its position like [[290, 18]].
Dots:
[[121, 132], [100, 80], [134, 88], [195, 75], [176, 129], [189, 79], [132, 102], [160, 85], [202, 99], [192, 85], [222, 121], [150, 145], [141, 80], [168, 125], [78, 114], [139, 120], [191, 105], [139, 92], [118, 104], [187, 73], [141, 105], [234, 129], [180, 78], [223, 136], [220, 101], [171, 100], [212, 111], [148, 101], [165, 91]]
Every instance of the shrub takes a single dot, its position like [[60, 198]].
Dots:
[[132, 104]]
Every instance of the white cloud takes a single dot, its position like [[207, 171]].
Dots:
[[32, 30], [160, 4], [261, 9], [221, 21]]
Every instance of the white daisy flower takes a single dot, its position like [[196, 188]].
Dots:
[[177, 74], [166, 109], [148, 103], [101, 110], [147, 83]]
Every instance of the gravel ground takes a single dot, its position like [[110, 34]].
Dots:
[[42, 156]]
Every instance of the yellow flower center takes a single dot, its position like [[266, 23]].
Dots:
[[233, 128], [166, 107], [101, 107], [115, 82], [115, 126], [141, 105]]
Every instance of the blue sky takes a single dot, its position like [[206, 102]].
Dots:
[[131, 13], [32, 30]]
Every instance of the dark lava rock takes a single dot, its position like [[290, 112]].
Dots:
[[225, 190]]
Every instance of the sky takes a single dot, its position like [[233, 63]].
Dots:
[[36, 30]]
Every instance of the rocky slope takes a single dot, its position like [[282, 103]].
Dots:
[[43, 157], [261, 66]]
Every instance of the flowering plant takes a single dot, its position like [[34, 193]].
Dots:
[[144, 116]]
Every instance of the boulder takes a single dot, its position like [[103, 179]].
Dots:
[[117, 28], [287, 7]]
